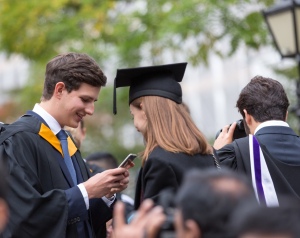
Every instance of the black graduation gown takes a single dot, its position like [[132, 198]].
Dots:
[[165, 170], [281, 148], [42, 200]]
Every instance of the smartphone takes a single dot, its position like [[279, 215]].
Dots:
[[129, 157]]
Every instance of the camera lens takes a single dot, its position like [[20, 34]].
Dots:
[[239, 131]]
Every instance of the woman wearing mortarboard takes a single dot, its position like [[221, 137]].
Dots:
[[173, 143]]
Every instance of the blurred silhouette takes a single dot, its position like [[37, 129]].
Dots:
[[253, 221], [207, 199], [201, 208]]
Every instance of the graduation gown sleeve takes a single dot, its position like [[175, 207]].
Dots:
[[34, 212], [158, 175], [42, 203], [227, 156], [165, 170]]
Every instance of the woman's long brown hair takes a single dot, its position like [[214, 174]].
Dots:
[[170, 126]]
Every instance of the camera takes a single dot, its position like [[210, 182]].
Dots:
[[239, 130], [166, 200]]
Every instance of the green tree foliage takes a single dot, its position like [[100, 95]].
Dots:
[[40, 29], [123, 34], [190, 28]]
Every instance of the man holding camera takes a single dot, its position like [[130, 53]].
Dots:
[[269, 155]]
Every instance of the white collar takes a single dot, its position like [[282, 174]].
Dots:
[[50, 120], [270, 123]]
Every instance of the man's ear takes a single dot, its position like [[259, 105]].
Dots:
[[192, 229], [251, 122], [248, 118], [58, 90]]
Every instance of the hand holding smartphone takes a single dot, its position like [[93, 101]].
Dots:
[[129, 157]]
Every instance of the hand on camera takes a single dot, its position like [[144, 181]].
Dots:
[[225, 137]]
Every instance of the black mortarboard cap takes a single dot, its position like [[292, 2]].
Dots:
[[160, 80]]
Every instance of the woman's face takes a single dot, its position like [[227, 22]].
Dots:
[[139, 119]]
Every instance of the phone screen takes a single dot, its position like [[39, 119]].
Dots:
[[125, 161]]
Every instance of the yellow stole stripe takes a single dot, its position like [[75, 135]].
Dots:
[[49, 136]]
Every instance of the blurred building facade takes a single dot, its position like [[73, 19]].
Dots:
[[209, 91], [13, 74]]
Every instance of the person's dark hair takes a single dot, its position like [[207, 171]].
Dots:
[[283, 220], [217, 179], [200, 198], [72, 69], [264, 99], [107, 158]]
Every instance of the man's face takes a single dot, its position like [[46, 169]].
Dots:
[[77, 104]]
